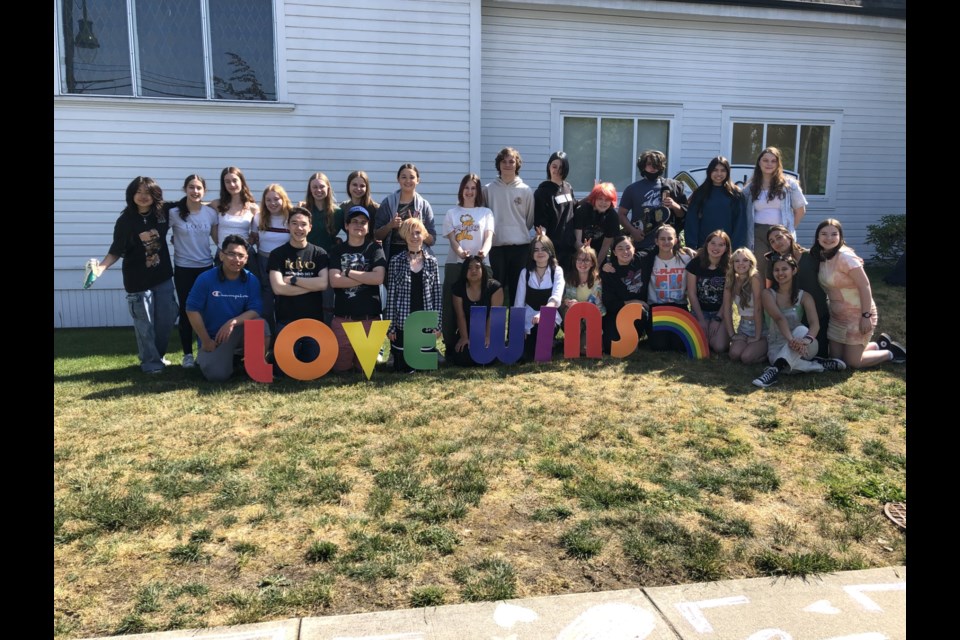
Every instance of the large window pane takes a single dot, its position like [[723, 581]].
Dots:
[[653, 134], [616, 151], [747, 143], [580, 145], [241, 37], [96, 48], [814, 149], [784, 137], [170, 43]]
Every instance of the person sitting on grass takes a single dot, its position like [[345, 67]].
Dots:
[[791, 346], [475, 288], [220, 302], [743, 288], [540, 285]]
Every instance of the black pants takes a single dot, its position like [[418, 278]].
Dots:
[[183, 279], [508, 261]]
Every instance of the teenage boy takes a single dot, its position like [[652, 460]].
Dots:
[[651, 200], [220, 302], [357, 269], [298, 277], [511, 201]]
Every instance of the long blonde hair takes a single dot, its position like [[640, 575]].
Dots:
[[742, 289]]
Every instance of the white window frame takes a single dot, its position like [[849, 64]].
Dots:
[[832, 118], [671, 112], [280, 75]]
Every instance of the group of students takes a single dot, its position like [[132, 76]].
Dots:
[[509, 246]]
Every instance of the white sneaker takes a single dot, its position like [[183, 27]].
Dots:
[[188, 361], [166, 362]]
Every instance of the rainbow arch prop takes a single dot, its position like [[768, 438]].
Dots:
[[682, 323]]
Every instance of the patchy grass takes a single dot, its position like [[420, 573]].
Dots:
[[181, 504]]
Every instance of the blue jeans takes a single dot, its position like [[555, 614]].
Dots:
[[154, 313]]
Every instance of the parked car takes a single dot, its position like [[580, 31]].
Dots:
[[739, 173]]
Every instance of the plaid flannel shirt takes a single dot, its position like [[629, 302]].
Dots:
[[398, 289]]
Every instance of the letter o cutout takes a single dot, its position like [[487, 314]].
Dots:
[[306, 328]]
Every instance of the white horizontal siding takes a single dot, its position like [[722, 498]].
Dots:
[[368, 85], [532, 56]]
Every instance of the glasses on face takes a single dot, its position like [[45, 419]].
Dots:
[[584, 260], [235, 255]]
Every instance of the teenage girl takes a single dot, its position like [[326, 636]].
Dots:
[[327, 216], [743, 287], [853, 314], [403, 203], [194, 226], [272, 226], [706, 278]]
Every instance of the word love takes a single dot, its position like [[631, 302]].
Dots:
[[418, 337]]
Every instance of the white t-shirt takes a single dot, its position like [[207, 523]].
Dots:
[[470, 225], [668, 280], [765, 212], [275, 235], [191, 237], [240, 224]]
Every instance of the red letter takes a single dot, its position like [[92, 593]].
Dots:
[[590, 314], [253, 350]]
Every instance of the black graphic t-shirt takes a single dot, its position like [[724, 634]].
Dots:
[[142, 243], [709, 285], [362, 300], [307, 262]]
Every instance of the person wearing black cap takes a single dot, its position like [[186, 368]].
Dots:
[[357, 269]]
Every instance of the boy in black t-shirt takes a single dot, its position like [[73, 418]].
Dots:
[[298, 276], [357, 269]]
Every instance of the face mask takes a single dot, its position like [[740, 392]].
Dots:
[[650, 176]]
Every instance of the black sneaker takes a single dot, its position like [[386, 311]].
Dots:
[[898, 350], [831, 364], [767, 378]]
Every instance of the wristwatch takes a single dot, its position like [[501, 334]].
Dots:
[[866, 314], [293, 280]]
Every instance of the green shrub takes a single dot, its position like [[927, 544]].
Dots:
[[889, 238]]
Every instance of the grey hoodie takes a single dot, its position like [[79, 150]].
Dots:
[[512, 206]]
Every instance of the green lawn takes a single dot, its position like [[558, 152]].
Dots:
[[179, 503]]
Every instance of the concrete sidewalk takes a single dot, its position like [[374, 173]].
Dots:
[[852, 605]]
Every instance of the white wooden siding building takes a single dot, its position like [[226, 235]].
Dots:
[[445, 84]]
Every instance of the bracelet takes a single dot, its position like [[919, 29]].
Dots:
[[866, 314]]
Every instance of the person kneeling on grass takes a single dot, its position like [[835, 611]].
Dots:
[[220, 302], [791, 346]]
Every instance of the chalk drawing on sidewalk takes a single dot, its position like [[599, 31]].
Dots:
[[610, 621], [821, 606], [507, 615], [412, 635], [770, 634], [858, 593], [693, 611]]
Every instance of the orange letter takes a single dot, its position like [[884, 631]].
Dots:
[[629, 339], [306, 328]]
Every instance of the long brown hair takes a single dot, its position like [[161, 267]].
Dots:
[[778, 183], [226, 196]]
